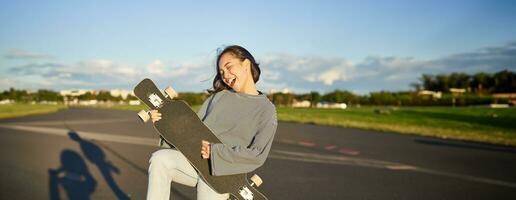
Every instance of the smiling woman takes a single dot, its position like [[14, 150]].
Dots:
[[242, 118], [235, 65]]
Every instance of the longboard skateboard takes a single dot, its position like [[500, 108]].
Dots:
[[181, 127]]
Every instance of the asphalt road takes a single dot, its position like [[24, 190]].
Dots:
[[103, 154]]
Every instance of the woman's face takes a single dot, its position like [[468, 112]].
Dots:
[[234, 73]]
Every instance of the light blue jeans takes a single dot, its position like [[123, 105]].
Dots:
[[167, 165]]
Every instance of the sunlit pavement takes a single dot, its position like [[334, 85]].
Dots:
[[103, 154]]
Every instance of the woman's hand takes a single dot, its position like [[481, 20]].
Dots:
[[155, 115], [205, 149]]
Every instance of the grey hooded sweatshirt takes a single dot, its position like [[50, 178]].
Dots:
[[246, 125]]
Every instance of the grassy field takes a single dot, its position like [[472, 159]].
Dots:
[[134, 108], [19, 109], [496, 126]]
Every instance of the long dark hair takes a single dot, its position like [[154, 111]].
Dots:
[[240, 53]]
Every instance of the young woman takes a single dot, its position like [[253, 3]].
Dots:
[[242, 117]]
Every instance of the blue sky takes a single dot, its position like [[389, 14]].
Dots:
[[360, 46]]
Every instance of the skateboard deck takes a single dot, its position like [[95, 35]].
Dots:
[[180, 127]]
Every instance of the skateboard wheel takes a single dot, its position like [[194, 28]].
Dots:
[[144, 116], [171, 93], [256, 180]]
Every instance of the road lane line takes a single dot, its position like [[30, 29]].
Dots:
[[306, 144], [348, 151], [285, 141], [72, 122], [401, 167], [335, 159], [87, 135], [330, 147]]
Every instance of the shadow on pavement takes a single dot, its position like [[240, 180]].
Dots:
[[121, 157], [138, 168], [96, 156], [73, 176], [469, 145]]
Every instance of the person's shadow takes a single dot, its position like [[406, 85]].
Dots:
[[95, 155], [73, 176]]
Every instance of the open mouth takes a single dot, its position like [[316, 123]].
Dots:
[[232, 82]]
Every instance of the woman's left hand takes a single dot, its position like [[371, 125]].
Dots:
[[205, 149]]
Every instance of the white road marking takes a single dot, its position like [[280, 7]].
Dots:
[[87, 135], [74, 122], [275, 154], [330, 147], [335, 159], [348, 151]]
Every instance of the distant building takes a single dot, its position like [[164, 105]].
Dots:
[[435, 95], [75, 93], [88, 102], [134, 102], [457, 90], [331, 105], [121, 93], [301, 104], [6, 101], [71, 96], [510, 96], [284, 91], [505, 95]]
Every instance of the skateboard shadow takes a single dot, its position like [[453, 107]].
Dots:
[[96, 156], [73, 176]]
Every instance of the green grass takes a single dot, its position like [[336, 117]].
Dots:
[[118, 107], [133, 108], [21, 109], [495, 126]]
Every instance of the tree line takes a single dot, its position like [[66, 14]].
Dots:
[[26, 96], [479, 88], [53, 96], [479, 83], [386, 98]]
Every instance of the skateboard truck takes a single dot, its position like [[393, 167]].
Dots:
[[144, 115], [245, 192], [256, 180], [170, 93], [156, 101]]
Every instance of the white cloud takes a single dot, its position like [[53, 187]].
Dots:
[[99, 72], [8, 83], [156, 67], [381, 73], [392, 68], [21, 54], [329, 76], [279, 71], [271, 75], [304, 68]]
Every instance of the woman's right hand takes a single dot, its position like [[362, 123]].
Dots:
[[155, 115]]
